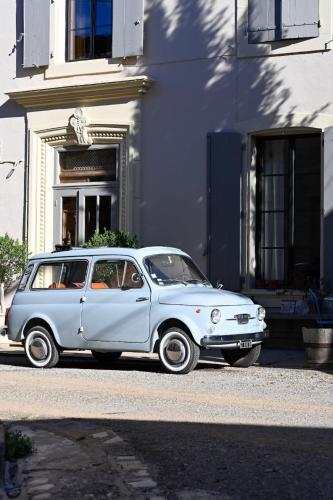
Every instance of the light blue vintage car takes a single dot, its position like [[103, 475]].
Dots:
[[111, 300]]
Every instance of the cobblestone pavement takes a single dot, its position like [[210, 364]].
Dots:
[[82, 460], [132, 431]]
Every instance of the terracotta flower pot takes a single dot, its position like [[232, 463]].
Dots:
[[318, 344]]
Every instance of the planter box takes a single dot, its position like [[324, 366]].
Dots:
[[318, 344]]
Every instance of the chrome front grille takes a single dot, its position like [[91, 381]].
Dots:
[[242, 319]]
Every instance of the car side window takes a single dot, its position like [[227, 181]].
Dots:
[[115, 274], [60, 275], [25, 277]]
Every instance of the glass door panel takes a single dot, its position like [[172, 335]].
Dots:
[[97, 215], [80, 212], [288, 211], [69, 220], [104, 212], [90, 216]]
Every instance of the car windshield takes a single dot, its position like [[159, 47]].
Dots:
[[170, 269]]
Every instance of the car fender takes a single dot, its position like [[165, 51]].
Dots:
[[47, 320], [192, 326]]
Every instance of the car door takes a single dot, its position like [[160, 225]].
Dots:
[[116, 304], [56, 293]]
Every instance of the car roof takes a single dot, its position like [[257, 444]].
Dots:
[[138, 253]]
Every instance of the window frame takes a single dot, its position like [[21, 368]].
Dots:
[[28, 266], [155, 280], [289, 204], [57, 262], [115, 259], [322, 43], [92, 30]]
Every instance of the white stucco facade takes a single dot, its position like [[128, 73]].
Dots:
[[198, 75]]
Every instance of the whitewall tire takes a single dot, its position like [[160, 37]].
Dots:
[[177, 351], [40, 348]]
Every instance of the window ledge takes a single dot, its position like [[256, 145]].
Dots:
[[80, 95], [80, 68]]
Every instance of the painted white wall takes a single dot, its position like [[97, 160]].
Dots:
[[200, 85], [11, 132]]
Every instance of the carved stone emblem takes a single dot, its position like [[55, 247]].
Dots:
[[79, 122]]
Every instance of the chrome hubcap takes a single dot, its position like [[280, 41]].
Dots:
[[38, 349], [175, 351]]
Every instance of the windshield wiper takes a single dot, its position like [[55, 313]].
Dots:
[[172, 280], [201, 282]]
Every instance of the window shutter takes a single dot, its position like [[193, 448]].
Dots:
[[261, 21], [224, 222], [327, 204], [299, 19], [36, 41], [127, 30]]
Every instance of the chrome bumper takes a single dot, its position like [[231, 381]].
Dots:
[[232, 341]]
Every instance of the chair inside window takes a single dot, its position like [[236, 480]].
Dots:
[[99, 285], [313, 299]]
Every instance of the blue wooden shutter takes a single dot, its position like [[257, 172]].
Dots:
[[224, 222], [299, 19], [36, 41], [327, 204], [127, 28], [261, 21]]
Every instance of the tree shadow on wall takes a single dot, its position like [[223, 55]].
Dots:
[[200, 85]]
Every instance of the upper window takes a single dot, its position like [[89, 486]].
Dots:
[[89, 25], [272, 20], [94, 165], [95, 29], [282, 27]]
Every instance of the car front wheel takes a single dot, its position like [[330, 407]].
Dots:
[[40, 348], [177, 351], [242, 358]]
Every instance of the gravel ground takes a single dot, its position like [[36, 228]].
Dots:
[[218, 432]]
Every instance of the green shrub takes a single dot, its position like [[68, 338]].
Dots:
[[13, 257], [17, 445], [112, 239]]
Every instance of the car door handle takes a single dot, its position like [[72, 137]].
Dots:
[[83, 299], [142, 299]]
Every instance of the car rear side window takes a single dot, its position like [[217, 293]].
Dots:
[[25, 277], [60, 275]]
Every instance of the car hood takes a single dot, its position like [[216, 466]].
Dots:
[[192, 296]]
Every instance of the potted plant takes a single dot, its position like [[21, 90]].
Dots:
[[13, 256], [318, 340]]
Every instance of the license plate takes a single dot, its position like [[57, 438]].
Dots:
[[245, 344]]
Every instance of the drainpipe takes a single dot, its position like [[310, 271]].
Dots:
[[26, 180]]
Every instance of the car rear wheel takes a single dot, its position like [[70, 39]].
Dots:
[[177, 351], [40, 348], [242, 358], [106, 357]]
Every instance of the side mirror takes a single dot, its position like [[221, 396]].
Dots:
[[219, 284], [136, 278]]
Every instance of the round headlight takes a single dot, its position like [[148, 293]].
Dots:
[[215, 315], [261, 313]]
